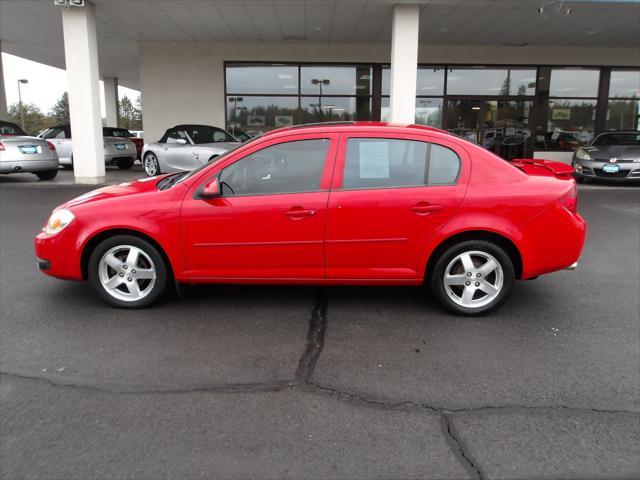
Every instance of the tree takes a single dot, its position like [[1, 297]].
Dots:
[[34, 119], [130, 116], [60, 111]]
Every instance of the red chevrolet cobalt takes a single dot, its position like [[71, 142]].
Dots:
[[328, 204]]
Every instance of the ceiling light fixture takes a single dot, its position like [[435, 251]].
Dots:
[[68, 3]]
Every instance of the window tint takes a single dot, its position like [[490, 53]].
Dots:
[[204, 134], [383, 163], [10, 129], [284, 168], [116, 132], [444, 165], [55, 132], [175, 135]]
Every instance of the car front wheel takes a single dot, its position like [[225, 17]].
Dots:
[[151, 164], [472, 278], [127, 272]]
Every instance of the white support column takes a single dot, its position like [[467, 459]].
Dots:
[[81, 54], [3, 94], [111, 100], [404, 62]]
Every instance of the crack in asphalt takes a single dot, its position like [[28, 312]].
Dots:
[[315, 338], [457, 447]]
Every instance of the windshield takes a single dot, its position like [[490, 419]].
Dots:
[[204, 134], [116, 132], [10, 129], [629, 139], [172, 180]]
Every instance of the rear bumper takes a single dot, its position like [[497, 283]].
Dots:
[[28, 166], [552, 241]]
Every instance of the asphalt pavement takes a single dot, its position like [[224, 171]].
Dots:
[[305, 382]]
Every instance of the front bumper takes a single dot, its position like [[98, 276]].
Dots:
[[29, 166], [627, 171], [59, 255]]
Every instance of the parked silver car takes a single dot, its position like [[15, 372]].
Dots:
[[118, 151], [22, 153], [185, 147], [610, 156]]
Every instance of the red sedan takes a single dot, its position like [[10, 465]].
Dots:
[[331, 204]]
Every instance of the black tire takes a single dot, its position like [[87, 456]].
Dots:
[[68, 167], [579, 179], [436, 278], [124, 163], [161, 271], [47, 174], [151, 164]]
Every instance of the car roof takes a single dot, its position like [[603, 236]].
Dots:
[[358, 126]]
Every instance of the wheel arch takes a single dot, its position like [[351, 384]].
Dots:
[[91, 244], [502, 241]]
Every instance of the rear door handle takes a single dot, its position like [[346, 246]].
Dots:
[[298, 212], [424, 208]]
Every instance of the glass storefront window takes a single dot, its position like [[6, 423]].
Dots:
[[428, 111], [265, 80], [258, 114], [569, 82], [623, 115], [429, 81], [624, 84], [335, 80], [491, 81], [330, 109], [570, 124]]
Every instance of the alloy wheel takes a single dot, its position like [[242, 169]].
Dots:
[[127, 273], [151, 164], [473, 279]]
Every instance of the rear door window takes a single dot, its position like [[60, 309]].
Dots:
[[387, 163]]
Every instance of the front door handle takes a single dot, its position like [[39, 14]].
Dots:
[[425, 208], [297, 213]]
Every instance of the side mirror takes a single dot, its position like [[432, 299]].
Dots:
[[210, 189]]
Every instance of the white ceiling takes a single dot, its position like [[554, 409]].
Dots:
[[33, 28]]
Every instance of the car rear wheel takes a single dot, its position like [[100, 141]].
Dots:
[[151, 164], [472, 278], [127, 271], [47, 174]]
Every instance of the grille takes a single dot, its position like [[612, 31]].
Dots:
[[620, 174]]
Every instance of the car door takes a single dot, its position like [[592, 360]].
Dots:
[[61, 139], [177, 151], [268, 222], [390, 195]]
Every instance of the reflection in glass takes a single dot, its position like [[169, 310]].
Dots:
[[430, 81], [428, 111], [327, 109], [624, 84], [499, 126], [336, 80], [491, 81], [567, 82], [267, 79], [623, 115], [257, 114], [569, 124]]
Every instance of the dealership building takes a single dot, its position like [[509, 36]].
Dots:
[[523, 78]]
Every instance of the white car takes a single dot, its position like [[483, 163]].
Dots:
[[185, 147], [20, 152], [118, 151]]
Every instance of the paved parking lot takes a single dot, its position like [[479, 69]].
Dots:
[[293, 382]]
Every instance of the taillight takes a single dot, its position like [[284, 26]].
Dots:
[[570, 199], [1, 147], [52, 147]]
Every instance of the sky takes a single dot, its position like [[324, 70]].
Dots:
[[46, 84]]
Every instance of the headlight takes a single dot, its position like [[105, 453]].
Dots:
[[58, 221], [583, 154]]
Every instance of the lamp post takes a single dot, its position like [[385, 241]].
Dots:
[[320, 82], [235, 101], [21, 81]]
